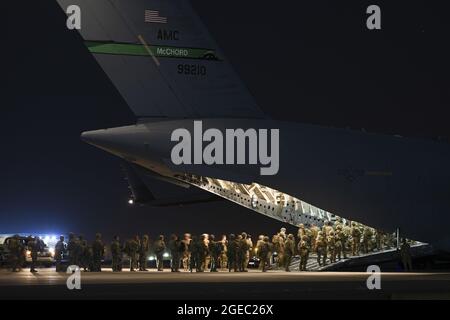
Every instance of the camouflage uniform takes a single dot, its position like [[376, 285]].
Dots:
[[98, 251], [327, 228], [143, 253], [379, 240], [303, 249], [289, 251], [265, 251], [367, 238], [314, 230], [116, 254], [73, 250], [338, 239], [278, 244], [33, 246], [231, 253], [240, 248], [243, 251], [131, 249], [203, 253], [223, 244], [331, 246], [186, 254], [82, 251], [214, 251], [405, 254], [356, 238], [194, 248], [15, 252], [160, 246], [60, 250], [321, 249], [175, 250], [247, 253]]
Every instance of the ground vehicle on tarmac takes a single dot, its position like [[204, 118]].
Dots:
[[44, 258]]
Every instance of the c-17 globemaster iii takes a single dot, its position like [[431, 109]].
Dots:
[[200, 135]]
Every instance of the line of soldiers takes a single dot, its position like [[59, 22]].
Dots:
[[192, 253], [332, 242], [18, 247], [80, 253]]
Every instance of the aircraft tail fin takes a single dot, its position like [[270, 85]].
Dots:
[[162, 59]]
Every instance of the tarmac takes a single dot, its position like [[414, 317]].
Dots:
[[272, 285]]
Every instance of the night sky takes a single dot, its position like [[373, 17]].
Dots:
[[305, 61]]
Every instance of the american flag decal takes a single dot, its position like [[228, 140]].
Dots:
[[152, 16]]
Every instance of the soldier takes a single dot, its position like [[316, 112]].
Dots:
[[379, 239], [239, 252], [321, 249], [175, 248], [98, 251], [259, 242], [15, 252], [356, 238], [89, 254], [186, 254], [346, 245], [72, 249], [303, 249], [327, 228], [231, 253], [143, 253], [33, 247], [289, 251], [213, 249], [331, 246], [258, 246], [160, 247], [242, 252], [60, 250], [314, 233], [276, 257], [282, 234], [132, 248], [247, 253], [116, 254], [367, 238], [265, 253], [193, 249], [405, 254], [301, 231], [223, 244], [202, 252], [278, 245], [338, 223], [82, 251], [338, 242]]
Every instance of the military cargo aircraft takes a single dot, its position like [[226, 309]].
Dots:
[[200, 136]]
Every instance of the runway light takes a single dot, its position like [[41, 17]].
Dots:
[[131, 201], [166, 255]]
